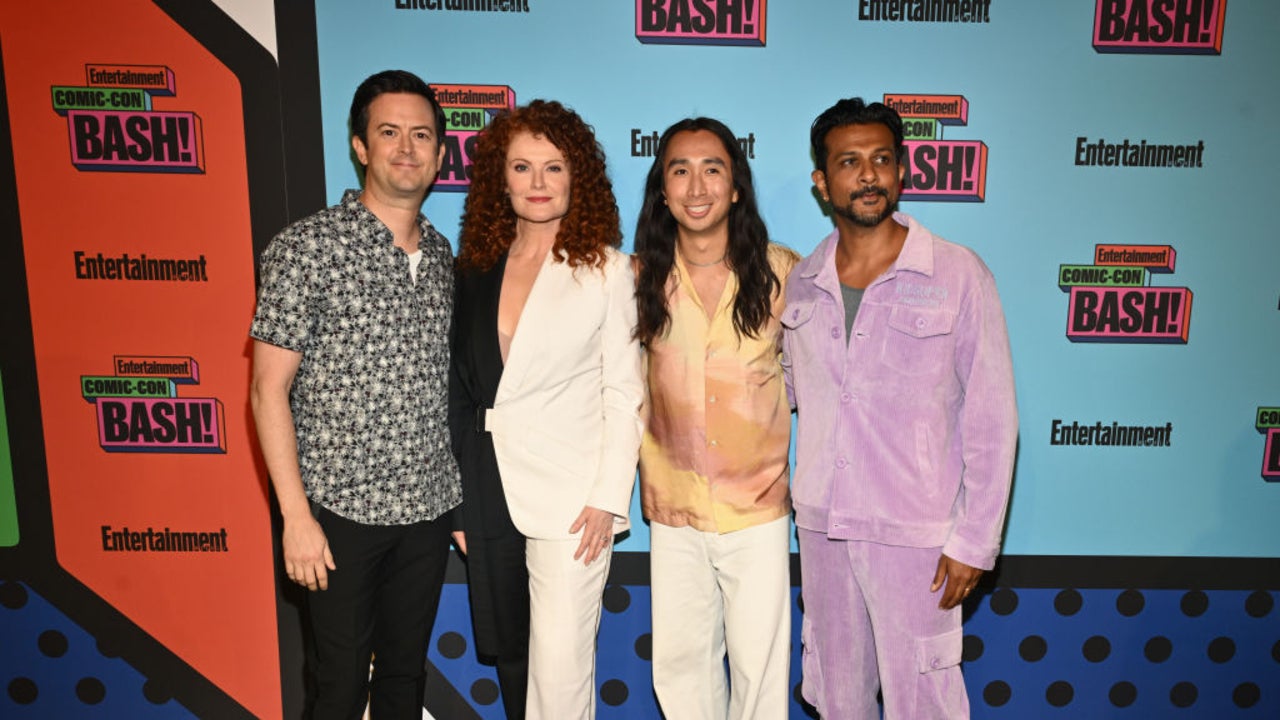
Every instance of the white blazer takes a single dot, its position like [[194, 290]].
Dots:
[[566, 417]]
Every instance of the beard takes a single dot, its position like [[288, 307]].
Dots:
[[867, 219]]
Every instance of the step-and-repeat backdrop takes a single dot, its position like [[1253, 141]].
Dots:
[[1113, 162]]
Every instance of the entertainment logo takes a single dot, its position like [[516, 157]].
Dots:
[[139, 409], [1268, 423], [1112, 302], [937, 169], [467, 110], [1169, 27], [701, 22], [113, 127]]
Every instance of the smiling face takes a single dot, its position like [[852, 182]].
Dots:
[[863, 179], [402, 152], [697, 183], [537, 179]]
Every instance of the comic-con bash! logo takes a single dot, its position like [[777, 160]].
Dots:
[[701, 22], [1112, 301], [1268, 423], [139, 409], [467, 110], [1168, 27], [112, 126], [938, 169]]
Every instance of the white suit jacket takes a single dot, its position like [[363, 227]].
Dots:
[[566, 417]]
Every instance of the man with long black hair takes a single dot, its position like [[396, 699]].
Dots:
[[713, 463]]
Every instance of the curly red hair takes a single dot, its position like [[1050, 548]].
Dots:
[[488, 221]]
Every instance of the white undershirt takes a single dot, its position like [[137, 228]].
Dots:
[[415, 257]]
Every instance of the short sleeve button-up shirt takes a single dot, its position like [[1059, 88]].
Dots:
[[370, 398], [718, 431]]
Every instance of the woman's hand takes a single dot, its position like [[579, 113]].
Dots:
[[597, 533]]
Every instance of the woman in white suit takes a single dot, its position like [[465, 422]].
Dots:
[[545, 397]]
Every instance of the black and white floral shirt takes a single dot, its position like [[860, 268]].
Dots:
[[370, 399]]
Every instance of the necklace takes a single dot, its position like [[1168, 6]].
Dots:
[[713, 263]]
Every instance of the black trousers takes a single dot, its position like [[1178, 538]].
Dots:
[[381, 603], [501, 590]]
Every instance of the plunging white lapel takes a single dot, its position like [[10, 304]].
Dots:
[[536, 325]]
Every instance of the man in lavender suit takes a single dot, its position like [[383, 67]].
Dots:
[[897, 361]]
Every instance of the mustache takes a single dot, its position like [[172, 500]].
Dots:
[[873, 190]]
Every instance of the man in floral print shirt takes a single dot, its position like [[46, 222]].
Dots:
[[349, 393]]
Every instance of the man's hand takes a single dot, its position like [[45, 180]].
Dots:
[[597, 533], [961, 579], [307, 560]]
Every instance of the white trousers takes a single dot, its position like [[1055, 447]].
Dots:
[[715, 594], [564, 619]]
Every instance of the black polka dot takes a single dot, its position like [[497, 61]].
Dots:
[[1033, 648], [90, 690], [484, 691], [1194, 603], [1184, 694], [1004, 601], [1059, 694], [644, 647], [1068, 602], [996, 693], [13, 595], [973, 648], [1158, 649], [1222, 649], [1246, 695], [156, 693], [1130, 603], [23, 691], [1096, 649], [1259, 604], [107, 648], [808, 710], [451, 645], [616, 599], [52, 643], [1123, 694], [614, 692]]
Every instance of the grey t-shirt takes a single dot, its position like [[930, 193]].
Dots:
[[852, 298]]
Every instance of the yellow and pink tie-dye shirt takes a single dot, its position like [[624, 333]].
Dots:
[[718, 424]]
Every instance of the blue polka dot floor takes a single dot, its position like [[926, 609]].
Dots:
[[51, 668], [1029, 652]]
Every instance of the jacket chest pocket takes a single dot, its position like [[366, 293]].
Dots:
[[796, 315], [798, 322], [919, 341]]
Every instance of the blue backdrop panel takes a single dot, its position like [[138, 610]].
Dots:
[[1036, 89]]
